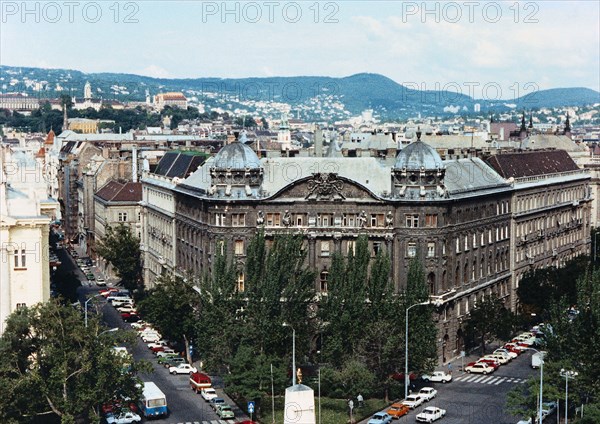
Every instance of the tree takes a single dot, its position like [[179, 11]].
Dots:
[[54, 366], [422, 329], [121, 248], [489, 319], [173, 307]]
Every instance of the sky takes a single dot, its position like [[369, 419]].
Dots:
[[477, 47]]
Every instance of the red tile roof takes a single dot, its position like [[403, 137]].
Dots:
[[531, 163], [114, 191], [109, 190]]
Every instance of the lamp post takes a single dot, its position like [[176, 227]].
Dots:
[[110, 330], [86, 305], [406, 376], [285, 324], [567, 374], [541, 384]]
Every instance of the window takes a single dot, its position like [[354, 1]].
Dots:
[[299, 220], [238, 219], [325, 248], [351, 247], [457, 245], [323, 280], [482, 239], [489, 236], [122, 216], [219, 219], [20, 259], [239, 247], [376, 247], [466, 243], [411, 251], [377, 220], [412, 221], [21, 306], [324, 219], [431, 220], [348, 220], [474, 240], [221, 247], [431, 250], [240, 282], [273, 219]]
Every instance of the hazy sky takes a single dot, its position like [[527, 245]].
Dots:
[[513, 45]]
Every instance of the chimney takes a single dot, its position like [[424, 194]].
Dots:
[[134, 165]]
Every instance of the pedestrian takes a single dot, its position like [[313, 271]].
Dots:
[[450, 368], [360, 400]]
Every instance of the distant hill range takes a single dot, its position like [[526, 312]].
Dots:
[[310, 97]]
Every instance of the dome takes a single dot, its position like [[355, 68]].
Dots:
[[418, 155], [236, 156]]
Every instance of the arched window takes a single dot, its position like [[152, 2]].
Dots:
[[324, 276], [431, 282]]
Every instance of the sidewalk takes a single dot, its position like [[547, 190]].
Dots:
[[456, 365]]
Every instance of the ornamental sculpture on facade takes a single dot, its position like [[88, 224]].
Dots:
[[325, 186]]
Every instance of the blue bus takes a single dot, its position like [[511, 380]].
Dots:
[[153, 402]]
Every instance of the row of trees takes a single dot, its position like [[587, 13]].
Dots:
[[356, 333], [573, 343]]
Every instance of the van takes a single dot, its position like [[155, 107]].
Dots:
[[121, 301], [118, 297], [153, 402]]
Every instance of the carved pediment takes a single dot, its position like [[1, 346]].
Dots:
[[325, 186]]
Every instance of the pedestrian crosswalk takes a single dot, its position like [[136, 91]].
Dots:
[[207, 422], [489, 379]]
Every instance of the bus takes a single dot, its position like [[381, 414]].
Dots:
[[153, 402]]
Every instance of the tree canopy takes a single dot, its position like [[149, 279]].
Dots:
[[121, 248]]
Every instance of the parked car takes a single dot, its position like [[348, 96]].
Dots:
[[510, 353], [225, 412], [398, 410], [162, 359], [515, 347], [106, 292], [208, 393], [215, 402], [413, 401], [150, 337], [430, 414], [492, 362], [173, 361], [479, 368], [437, 377], [127, 317], [90, 276], [503, 360], [126, 308], [183, 369], [125, 417], [164, 351], [427, 393], [158, 343], [200, 381], [380, 418]]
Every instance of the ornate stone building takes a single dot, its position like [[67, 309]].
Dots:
[[456, 216]]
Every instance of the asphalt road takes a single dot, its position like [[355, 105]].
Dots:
[[479, 399]]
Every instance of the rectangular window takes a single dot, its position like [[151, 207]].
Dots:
[[431, 220], [23, 259], [466, 243], [239, 247], [323, 280], [348, 220], [377, 220], [238, 219], [220, 219], [337, 221], [324, 219], [351, 247], [474, 240], [376, 247], [16, 257], [21, 306], [240, 283], [221, 247], [325, 248], [122, 216], [431, 250], [299, 220], [273, 220], [482, 239], [457, 244], [489, 236], [412, 221], [411, 250]]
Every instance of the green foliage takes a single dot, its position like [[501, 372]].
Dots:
[[55, 366], [489, 319], [352, 378], [172, 306], [121, 248]]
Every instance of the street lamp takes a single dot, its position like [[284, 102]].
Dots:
[[567, 374], [541, 383], [85, 307], [110, 330], [406, 376], [285, 324]]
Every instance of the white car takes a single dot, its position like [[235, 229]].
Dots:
[[165, 352], [413, 401], [126, 308], [427, 393], [479, 368], [430, 414], [183, 369], [437, 377], [502, 359], [510, 353], [150, 337], [208, 394], [158, 343], [126, 417]]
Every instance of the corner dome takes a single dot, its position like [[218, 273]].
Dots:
[[418, 155], [236, 155]]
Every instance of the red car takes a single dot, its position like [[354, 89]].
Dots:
[[494, 364], [110, 407], [107, 292]]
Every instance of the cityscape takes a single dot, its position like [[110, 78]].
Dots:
[[300, 213]]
